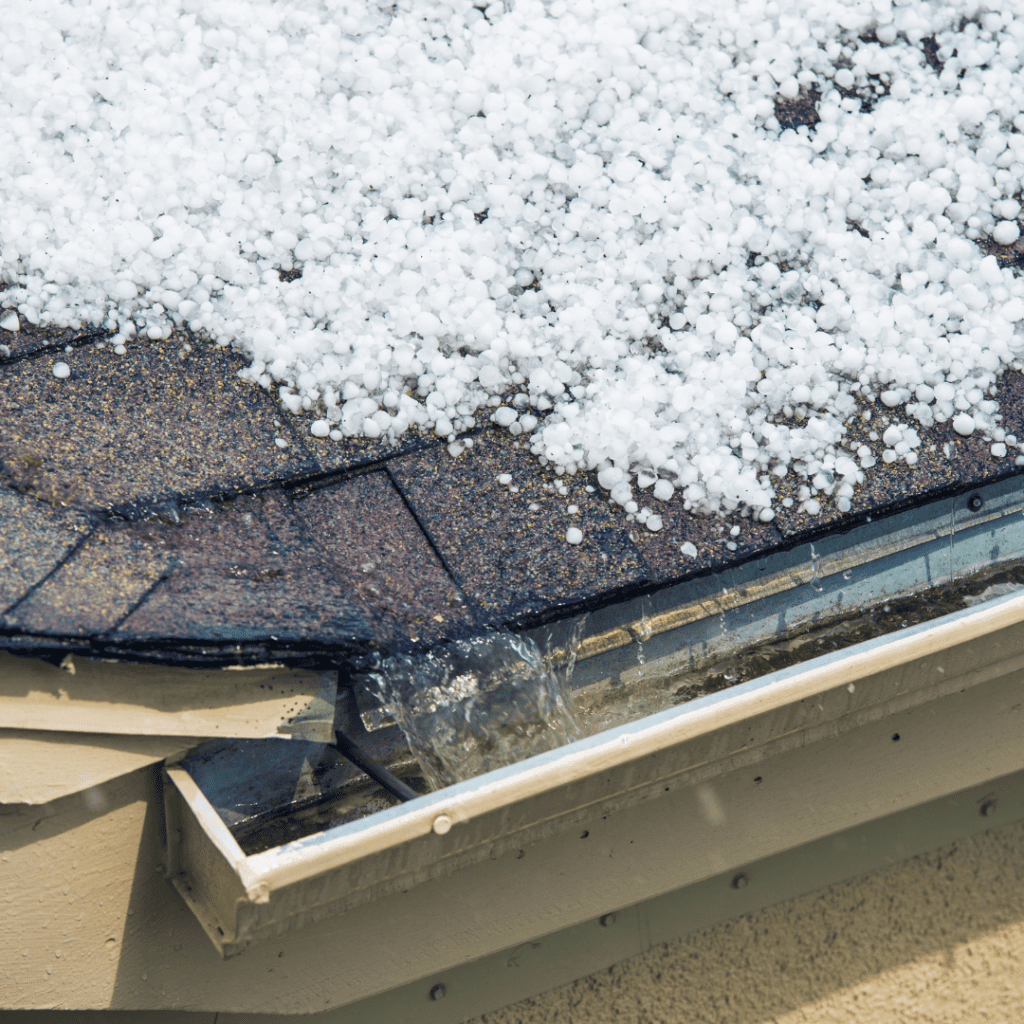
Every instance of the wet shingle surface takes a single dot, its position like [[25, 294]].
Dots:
[[147, 510], [688, 543], [358, 452], [946, 462], [34, 539], [380, 554], [141, 429], [504, 541], [244, 571], [30, 339], [96, 587]]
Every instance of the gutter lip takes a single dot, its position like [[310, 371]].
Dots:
[[313, 855]]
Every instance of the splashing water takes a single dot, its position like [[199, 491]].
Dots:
[[575, 639], [723, 625], [470, 706], [815, 580], [642, 630]]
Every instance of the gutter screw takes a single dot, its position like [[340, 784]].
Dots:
[[974, 503], [740, 881], [437, 992]]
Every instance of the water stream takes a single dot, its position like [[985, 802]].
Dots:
[[470, 706]]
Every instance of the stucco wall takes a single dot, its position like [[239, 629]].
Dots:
[[939, 938]]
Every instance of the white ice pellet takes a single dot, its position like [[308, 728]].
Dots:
[[609, 477], [280, 442], [688, 549], [320, 428], [999, 450], [574, 535], [11, 322], [892, 436], [621, 493], [530, 200], [61, 370], [1006, 232], [505, 479], [654, 523], [963, 424]]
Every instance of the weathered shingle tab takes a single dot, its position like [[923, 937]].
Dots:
[[506, 544], [34, 539], [96, 587], [244, 571], [140, 429], [380, 554]]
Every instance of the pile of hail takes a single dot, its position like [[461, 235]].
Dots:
[[679, 244]]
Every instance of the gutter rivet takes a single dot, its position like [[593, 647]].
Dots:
[[974, 503], [607, 920], [442, 826], [988, 808], [437, 992], [740, 881]]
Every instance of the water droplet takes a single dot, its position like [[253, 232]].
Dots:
[[848, 575], [724, 604], [815, 580], [575, 639], [642, 631]]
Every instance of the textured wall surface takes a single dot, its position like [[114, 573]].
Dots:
[[939, 938], [936, 939]]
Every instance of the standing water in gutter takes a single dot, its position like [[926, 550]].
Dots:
[[470, 706]]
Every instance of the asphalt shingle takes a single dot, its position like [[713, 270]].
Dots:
[[380, 554], [141, 429], [34, 539], [505, 543], [96, 587], [245, 573]]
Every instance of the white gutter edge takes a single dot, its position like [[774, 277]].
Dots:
[[294, 862]]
